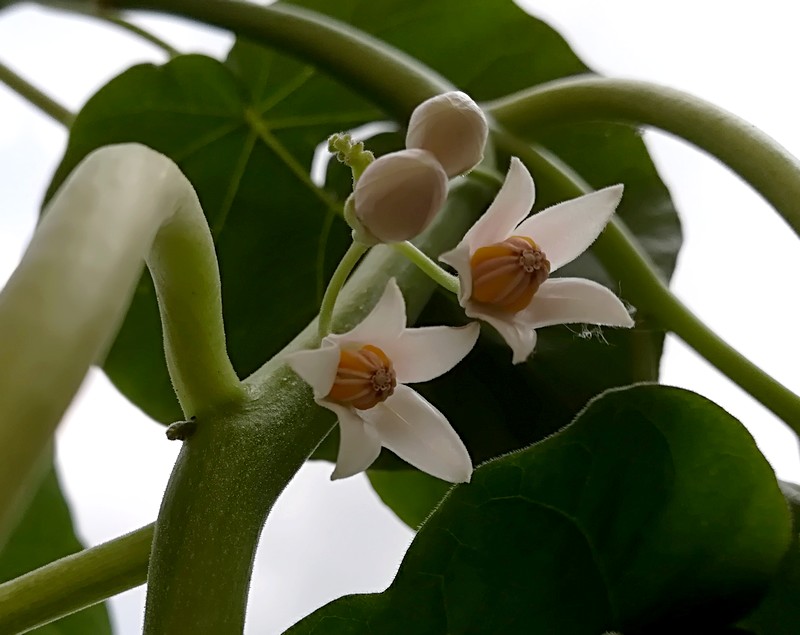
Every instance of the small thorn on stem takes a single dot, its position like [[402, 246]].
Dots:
[[181, 430]]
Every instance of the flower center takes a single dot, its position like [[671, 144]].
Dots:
[[506, 275], [365, 377]]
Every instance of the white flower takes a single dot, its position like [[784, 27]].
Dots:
[[503, 263], [452, 127], [398, 195], [360, 376]]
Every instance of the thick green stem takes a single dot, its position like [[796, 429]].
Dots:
[[231, 471], [121, 207], [753, 155], [620, 255], [35, 97], [75, 582], [392, 79], [345, 266]]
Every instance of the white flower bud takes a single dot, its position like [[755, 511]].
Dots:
[[453, 128], [398, 195]]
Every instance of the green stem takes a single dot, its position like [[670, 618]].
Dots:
[[156, 41], [35, 97], [345, 266], [231, 471], [626, 262], [70, 293], [767, 166], [75, 582], [392, 79], [428, 266]]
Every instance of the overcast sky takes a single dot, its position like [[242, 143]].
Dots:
[[738, 270]]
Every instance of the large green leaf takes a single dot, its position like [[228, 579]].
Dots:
[[653, 512], [45, 534], [779, 611]]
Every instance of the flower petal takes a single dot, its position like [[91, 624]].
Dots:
[[418, 433], [518, 335], [358, 442], [458, 259], [566, 230], [575, 300], [425, 353], [512, 203], [317, 367], [385, 322]]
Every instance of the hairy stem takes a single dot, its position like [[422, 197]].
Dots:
[[121, 207], [343, 269], [35, 97], [428, 266], [75, 582], [753, 155], [231, 471]]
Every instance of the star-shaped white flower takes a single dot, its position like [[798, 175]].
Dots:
[[361, 375], [504, 262]]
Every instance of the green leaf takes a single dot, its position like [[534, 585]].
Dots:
[[410, 494], [653, 512], [779, 612], [45, 534], [244, 134]]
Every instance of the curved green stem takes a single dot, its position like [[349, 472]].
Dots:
[[343, 269], [75, 582], [619, 253], [767, 166], [35, 97], [121, 207], [231, 471], [428, 266], [392, 79]]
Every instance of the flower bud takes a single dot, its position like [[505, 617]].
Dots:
[[398, 195], [451, 127]]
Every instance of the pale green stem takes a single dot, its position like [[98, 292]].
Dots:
[[626, 262], [75, 582], [428, 266], [139, 32], [339, 277], [762, 162], [61, 309], [35, 97]]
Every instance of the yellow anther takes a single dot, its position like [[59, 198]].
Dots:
[[506, 275], [365, 377]]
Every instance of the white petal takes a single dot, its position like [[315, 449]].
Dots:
[[419, 434], [566, 230], [317, 367], [575, 300], [425, 353], [358, 442], [512, 203], [519, 336], [385, 322], [458, 259]]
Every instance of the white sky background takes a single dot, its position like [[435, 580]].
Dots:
[[738, 269]]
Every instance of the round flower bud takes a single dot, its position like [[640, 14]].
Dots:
[[453, 128], [398, 195]]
